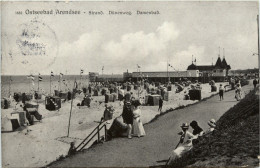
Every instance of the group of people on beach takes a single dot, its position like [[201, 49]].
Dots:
[[237, 87], [129, 122], [132, 117], [188, 139]]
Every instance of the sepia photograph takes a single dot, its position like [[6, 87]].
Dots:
[[130, 84]]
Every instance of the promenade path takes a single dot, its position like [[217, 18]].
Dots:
[[162, 137]]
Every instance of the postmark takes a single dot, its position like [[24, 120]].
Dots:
[[35, 44]]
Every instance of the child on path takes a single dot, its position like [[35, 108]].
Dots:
[[160, 104], [255, 82], [221, 92], [72, 149]]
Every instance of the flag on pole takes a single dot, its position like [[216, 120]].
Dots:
[[102, 68], [52, 75], [138, 66], [30, 77], [75, 85], [195, 60], [39, 77], [61, 75]]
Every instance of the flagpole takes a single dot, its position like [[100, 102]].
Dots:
[[169, 75], [38, 85], [167, 70], [29, 86], [9, 87], [80, 78], [71, 107], [38, 91], [258, 38], [59, 83], [50, 85], [139, 83], [137, 73]]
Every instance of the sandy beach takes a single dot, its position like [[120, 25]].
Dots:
[[162, 137], [46, 138]]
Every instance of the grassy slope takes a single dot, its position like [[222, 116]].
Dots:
[[235, 141]]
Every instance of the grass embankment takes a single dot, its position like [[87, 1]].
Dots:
[[235, 142]]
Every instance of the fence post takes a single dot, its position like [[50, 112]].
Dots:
[[98, 133], [105, 132]]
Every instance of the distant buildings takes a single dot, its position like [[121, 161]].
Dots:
[[248, 73], [202, 73], [219, 72], [96, 77]]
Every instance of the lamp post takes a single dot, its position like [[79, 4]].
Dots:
[[257, 54], [254, 54], [258, 38]]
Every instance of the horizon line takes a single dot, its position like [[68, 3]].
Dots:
[[113, 74]]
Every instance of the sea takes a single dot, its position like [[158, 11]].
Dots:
[[20, 83]]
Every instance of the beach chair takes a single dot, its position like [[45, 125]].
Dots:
[[15, 124], [195, 94], [52, 103], [20, 117], [5, 103]]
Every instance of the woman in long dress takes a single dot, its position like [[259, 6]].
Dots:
[[184, 145], [138, 129], [238, 92]]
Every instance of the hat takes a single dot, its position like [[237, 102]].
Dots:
[[194, 123], [212, 123], [185, 125]]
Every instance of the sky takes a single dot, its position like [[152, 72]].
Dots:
[[121, 42]]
